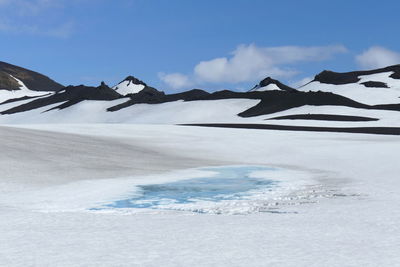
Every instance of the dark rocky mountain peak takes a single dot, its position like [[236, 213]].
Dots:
[[103, 85], [267, 81], [134, 80]]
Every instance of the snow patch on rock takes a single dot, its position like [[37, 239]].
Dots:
[[128, 87], [23, 91]]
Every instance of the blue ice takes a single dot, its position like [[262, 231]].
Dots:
[[230, 183]]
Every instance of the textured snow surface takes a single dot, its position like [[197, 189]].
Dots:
[[128, 87], [361, 93], [348, 217]]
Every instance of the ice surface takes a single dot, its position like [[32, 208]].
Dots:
[[228, 184]]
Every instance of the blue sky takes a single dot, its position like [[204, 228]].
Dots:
[[183, 44]]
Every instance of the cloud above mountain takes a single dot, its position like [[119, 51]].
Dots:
[[175, 80], [377, 57], [250, 63]]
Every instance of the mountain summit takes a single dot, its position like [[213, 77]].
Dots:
[[269, 84], [130, 85]]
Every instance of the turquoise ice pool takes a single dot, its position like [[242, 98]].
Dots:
[[227, 183]]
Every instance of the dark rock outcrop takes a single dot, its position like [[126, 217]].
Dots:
[[150, 95], [33, 80], [270, 101], [323, 117], [267, 81], [131, 79], [361, 130], [331, 77], [375, 84]]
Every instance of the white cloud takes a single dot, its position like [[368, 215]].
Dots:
[[246, 63], [251, 63], [301, 82], [175, 80], [377, 57]]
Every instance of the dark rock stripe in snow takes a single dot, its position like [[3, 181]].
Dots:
[[363, 130], [375, 84], [71, 95], [23, 98], [323, 117]]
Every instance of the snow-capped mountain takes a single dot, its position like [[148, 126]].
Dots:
[[361, 100], [130, 85], [269, 84]]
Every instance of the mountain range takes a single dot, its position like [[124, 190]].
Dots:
[[332, 100]]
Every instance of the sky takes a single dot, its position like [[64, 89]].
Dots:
[[175, 45]]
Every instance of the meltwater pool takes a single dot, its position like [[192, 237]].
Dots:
[[227, 183]]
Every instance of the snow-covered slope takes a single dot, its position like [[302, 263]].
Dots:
[[174, 112], [23, 91], [130, 85], [381, 86]]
